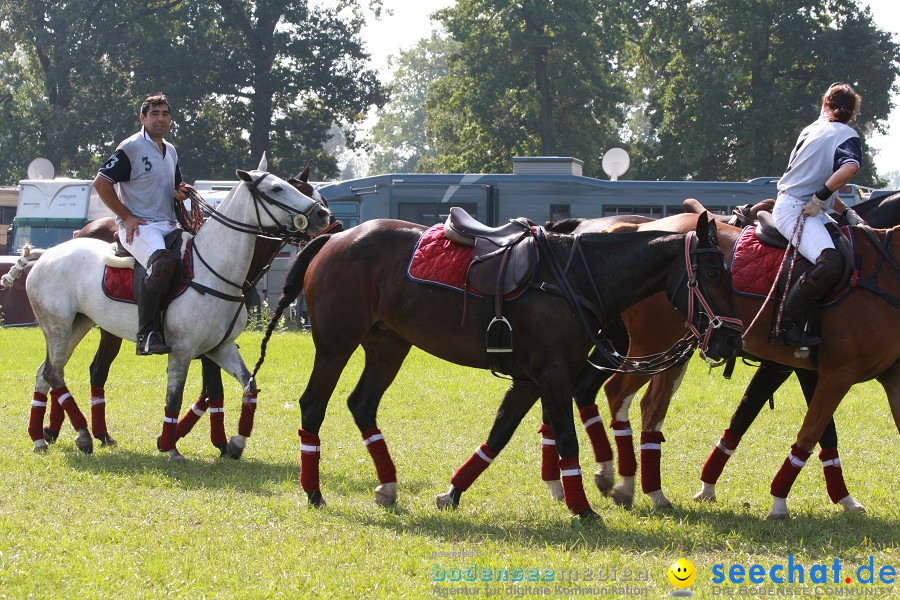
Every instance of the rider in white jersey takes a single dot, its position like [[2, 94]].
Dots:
[[826, 157], [145, 169]]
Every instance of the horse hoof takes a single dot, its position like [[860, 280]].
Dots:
[[622, 499], [663, 504], [604, 482], [236, 447], [386, 494], [84, 441], [315, 499], [41, 446], [704, 497], [107, 441], [223, 450], [50, 435], [556, 490], [775, 515], [174, 455], [445, 501], [588, 515], [851, 505]]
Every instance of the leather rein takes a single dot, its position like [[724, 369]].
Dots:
[[654, 363]]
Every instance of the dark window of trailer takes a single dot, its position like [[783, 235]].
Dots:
[[558, 212]]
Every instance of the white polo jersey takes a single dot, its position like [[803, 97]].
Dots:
[[822, 148], [146, 176]]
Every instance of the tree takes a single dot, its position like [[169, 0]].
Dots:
[[729, 84], [530, 77], [399, 136]]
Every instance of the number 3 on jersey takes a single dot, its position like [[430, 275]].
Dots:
[[147, 164]]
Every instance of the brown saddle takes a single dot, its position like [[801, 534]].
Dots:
[[504, 257]]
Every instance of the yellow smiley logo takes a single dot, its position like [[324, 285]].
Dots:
[[682, 573]]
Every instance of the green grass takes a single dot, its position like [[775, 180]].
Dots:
[[124, 523]]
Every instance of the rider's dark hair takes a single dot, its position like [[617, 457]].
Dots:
[[153, 100], [841, 102]]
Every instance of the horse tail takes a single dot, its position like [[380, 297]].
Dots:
[[29, 254], [293, 285]]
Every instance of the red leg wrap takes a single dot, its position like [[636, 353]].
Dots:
[[784, 479], [310, 452], [549, 456], [651, 450], [98, 411], [167, 439], [57, 415], [834, 475], [378, 449], [712, 468], [191, 416], [36, 420], [573, 487], [593, 425], [625, 448], [217, 422], [65, 399], [472, 468], [248, 410]]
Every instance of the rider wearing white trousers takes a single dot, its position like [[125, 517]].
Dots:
[[145, 167], [826, 157]]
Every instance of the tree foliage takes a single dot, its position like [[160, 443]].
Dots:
[[728, 84], [243, 77], [530, 77]]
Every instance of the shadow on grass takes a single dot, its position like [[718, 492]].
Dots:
[[206, 472]]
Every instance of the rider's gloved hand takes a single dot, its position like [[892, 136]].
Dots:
[[817, 202]]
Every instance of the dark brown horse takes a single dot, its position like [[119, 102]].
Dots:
[[358, 293], [212, 395], [648, 332]]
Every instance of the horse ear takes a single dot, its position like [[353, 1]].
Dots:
[[703, 227], [304, 175], [263, 163], [243, 175], [714, 232]]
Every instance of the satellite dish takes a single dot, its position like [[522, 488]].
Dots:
[[41, 168], [615, 163]]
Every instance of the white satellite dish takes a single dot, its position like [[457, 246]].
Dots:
[[41, 168], [615, 163]]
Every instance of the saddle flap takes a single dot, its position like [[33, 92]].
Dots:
[[490, 264]]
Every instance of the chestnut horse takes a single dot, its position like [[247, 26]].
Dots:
[[648, 332], [212, 394], [358, 293]]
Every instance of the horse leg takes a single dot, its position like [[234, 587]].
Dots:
[[106, 353], [828, 455], [177, 375], [331, 358], [654, 406], [767, 379], [228, 357], [620, 391], [829, 392], [890, 381], [61, 339], [517, 401], [385, 352], [550, 459], [212, 399]]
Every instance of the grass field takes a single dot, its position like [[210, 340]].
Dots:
[[124, 523]]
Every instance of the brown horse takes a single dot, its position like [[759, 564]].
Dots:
[[648, 332], [212, 395], [358, 293]]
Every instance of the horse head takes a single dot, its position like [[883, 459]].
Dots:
[[282, 207], [707, 298]]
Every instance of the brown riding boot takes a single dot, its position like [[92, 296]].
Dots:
[[808, 290]]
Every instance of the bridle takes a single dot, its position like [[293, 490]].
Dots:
[[697, 304]]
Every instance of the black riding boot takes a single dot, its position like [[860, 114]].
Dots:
[[149, 339], [808, 290]]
